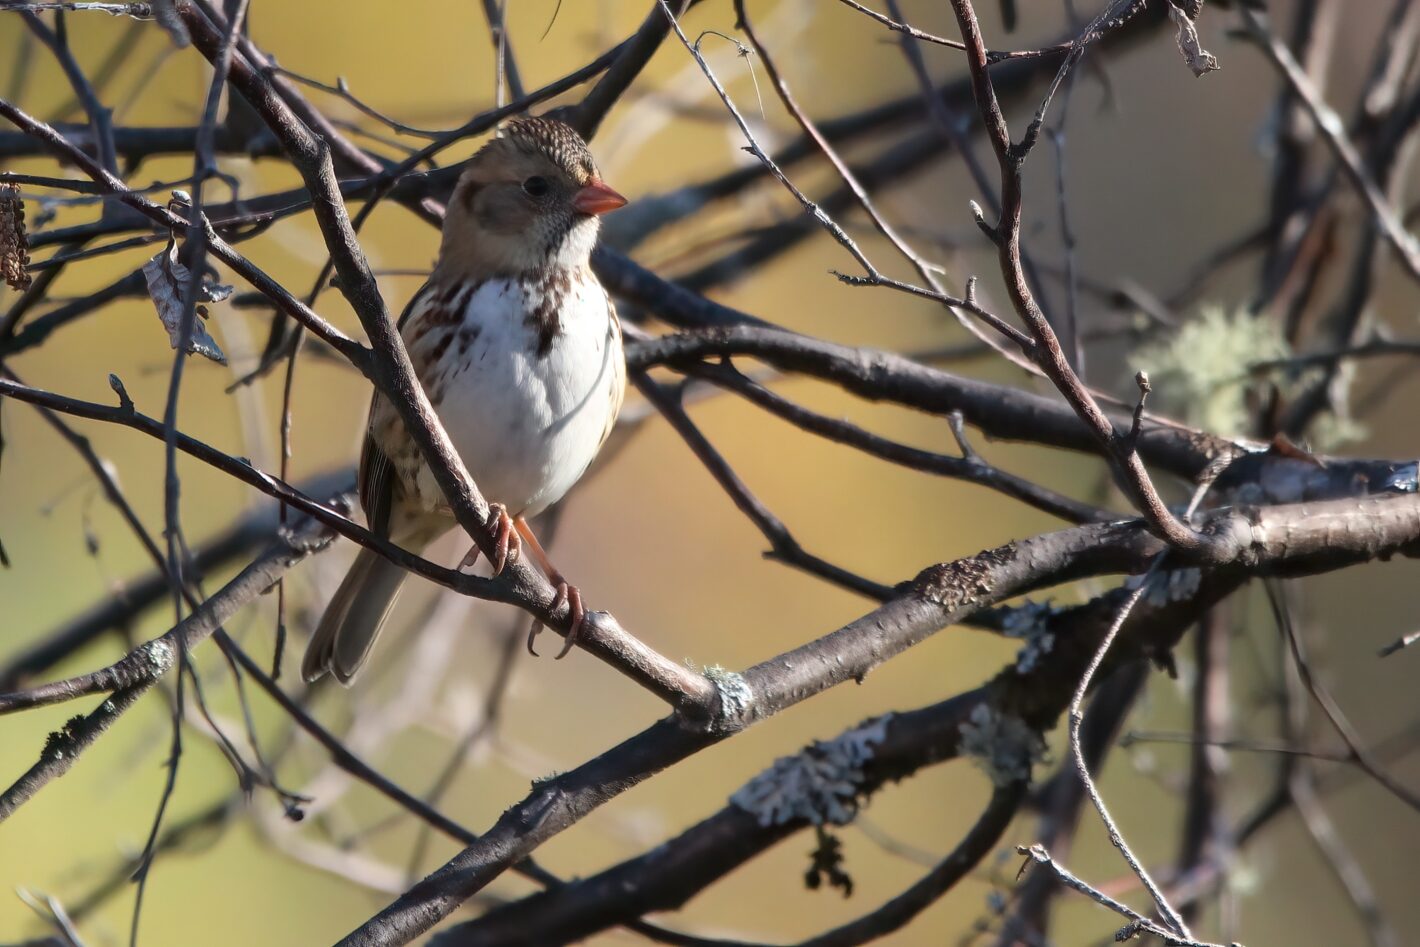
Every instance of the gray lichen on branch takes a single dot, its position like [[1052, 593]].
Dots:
[[821, 784]]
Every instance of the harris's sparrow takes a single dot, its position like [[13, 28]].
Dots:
[[519, 349]]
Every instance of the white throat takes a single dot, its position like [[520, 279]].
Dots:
[[575, 251]]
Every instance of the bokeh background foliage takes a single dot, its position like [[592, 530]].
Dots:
[[1160, 166]]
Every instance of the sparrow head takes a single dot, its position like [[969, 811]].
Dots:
[[527, 201]]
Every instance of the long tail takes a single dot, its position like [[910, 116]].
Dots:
[[352, 621]]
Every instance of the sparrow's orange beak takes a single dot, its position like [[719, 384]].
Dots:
[[596, 199]]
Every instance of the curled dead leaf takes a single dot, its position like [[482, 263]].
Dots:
[[167, 278], [1199, 60]]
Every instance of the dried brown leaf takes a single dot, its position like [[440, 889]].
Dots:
[[14, 244]]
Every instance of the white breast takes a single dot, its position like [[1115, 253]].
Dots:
[[526, 422]]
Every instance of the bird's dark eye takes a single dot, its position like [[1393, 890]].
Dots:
[[535, 186]]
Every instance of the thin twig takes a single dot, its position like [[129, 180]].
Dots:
[[1333, 131], [1076, 718], [1138, 923], [1322, 695]]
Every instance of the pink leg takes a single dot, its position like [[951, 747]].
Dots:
[[564, 591]]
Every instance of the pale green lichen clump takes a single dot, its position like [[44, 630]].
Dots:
[[1204, 375]]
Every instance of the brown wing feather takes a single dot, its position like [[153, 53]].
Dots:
[[376, 480], [376, 477]]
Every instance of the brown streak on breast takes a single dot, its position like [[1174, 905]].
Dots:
[[545, 296], [440, 315], [440, 347], [446, 305]]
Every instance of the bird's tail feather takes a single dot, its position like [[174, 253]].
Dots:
[[352, 621]]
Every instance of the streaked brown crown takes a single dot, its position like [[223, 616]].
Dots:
[[558, 141]]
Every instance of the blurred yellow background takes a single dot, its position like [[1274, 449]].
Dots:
[[1167, 169]]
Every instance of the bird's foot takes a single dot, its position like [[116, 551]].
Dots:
[[507, 544], [564, 593]]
